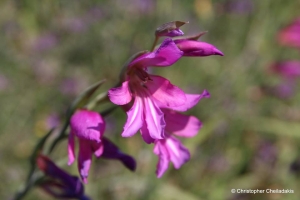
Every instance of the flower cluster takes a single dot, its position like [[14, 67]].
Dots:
[[152, 102], [288, 70], [153, 105]]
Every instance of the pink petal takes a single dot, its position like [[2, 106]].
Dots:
[[134, 118], [97, 148], [154, 118], [166, 55], [84, 159], [71, 145], [192, 100], [87, 125], [179, 154], [163, 158], [167, 94], [196, 48], [146, 135], [181, 125], [120, 95]]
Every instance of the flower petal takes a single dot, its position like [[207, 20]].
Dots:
[[71, 145], [154, 118], [146, 135], [84, 159], [166, 55], [97, 148], [191, 101], [181, 125], [120, 95], [196, 48], [166, 93], [87, 125], [134, 118], [163, 158], [111, 151], [179, 154]]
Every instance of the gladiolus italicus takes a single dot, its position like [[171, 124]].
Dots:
[[59, 183], [88, 126], [151, 93]]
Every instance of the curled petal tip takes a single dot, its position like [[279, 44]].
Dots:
[[218, 52]]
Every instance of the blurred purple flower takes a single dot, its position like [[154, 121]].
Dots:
[[290, 35], [59, 183], [88, 127], [52, 121], [69, 86], [266, 154], [45, 42], [287, 69], [240, 6]]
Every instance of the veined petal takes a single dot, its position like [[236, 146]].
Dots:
[[166, 93], [179, 154], [71, 145], [166, 55], [163, 157], [84, 159], [181, 125], [134, 118], [191, 101], [120, 95], [154, 118]]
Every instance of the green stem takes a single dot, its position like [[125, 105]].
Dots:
[[154, 43]]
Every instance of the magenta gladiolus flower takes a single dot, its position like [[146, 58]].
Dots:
[[60, 184], [196, 48], [290, 35], [171, 149], [88, 127], [151, 93]]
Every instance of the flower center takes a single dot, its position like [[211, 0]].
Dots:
[[138, 79]]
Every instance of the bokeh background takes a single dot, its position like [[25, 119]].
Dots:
[[50, 51]]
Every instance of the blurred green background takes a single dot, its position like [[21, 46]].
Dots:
[[52, 50]]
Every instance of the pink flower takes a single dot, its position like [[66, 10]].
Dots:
[[88, 127], [290, 35], [171, 149], [151, 93], [61, 184], [287, 69], [196, 48]]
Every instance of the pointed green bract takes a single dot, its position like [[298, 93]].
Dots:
[[83, 98], [192, 37], [168, 27]]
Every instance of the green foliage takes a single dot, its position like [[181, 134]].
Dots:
[[50, 51]]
